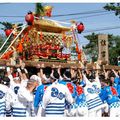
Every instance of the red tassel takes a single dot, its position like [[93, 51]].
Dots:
[[63, 37], [41, 36], [77, 48], [20, 47], [27, 39], [79, 51]]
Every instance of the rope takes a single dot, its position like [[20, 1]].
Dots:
[[13, 41], [8, 39]]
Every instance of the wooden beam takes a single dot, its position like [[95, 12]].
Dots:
[[50, 64], [30, 63], [109, 67]]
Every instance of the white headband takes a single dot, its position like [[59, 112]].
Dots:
[[16, 78]]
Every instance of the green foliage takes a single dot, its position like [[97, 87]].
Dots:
[[114, 49], [91, 49], [6, 25], [113, 7], [2, 39], [39, 9]]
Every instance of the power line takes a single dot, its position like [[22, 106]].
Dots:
[[95, 30], [60, 15], [80, 13], [92, 30], [96, 15], [100, 29]]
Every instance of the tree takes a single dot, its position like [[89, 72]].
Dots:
[[6, 25], [115, 52], [114, 49], [2, 39], [113, 7], [91, 49]]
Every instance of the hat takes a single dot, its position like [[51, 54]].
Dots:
[[67, 75], [91, 80], [34, 78]]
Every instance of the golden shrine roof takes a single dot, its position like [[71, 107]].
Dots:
[[49, 26]]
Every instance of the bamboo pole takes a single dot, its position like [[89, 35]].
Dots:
[[13, 41]]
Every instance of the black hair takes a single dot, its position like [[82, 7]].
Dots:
[[55, 74], [101, 77], [15, 70], [47, 75], [38, 70], [1, 77], [23, 71], [111, 74], [5, 81], [67, 74], [75, 80]]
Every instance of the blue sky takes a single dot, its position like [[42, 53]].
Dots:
[[94, 22]]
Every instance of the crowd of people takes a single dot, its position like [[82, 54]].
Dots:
[[56, 91]]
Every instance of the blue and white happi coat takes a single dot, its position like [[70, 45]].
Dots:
[[92, 90], [55, 98]]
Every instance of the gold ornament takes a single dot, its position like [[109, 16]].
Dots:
[[48, 7]]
